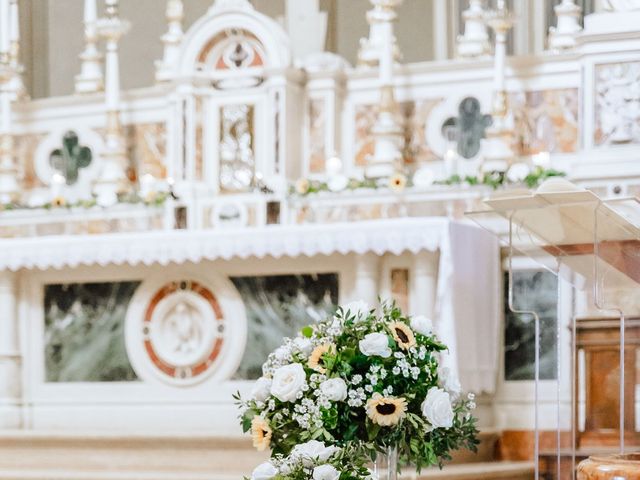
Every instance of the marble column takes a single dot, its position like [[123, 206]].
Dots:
[[367, 277], [387, 131], [8, 169], [113, 176], [16, 84], [10, 360], [497, 151], [424, 284]]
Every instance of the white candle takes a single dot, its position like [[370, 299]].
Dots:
[[386, 56], [14, 32], [541, 159], [500, 57], [147, 184], [90, 12], [112, 69], [57, 184], [5, 112], [4, 26]]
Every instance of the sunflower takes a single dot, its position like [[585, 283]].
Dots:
[[302, 186], [386, 411], [403, 335], [58, 202], [316, 361], [150, 197], [398, 182], [261, 433]]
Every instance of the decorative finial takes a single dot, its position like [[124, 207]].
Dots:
[[475, 40], [380, 19], [166, 67], [90, 79], [563, 36]]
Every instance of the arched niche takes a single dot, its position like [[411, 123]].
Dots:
[[234, 36]]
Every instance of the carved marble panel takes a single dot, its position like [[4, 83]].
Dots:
[[415, 116], [536, 291], [199, 132], [400, 287], [279, 306], [183, 330], [546, 121], [237, 157], [147, 143], [617, 104], [84, 332], [25, 147], [317, 134]]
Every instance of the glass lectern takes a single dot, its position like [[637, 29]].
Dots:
[[594, 244]]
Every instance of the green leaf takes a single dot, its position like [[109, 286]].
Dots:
[[307, 331]]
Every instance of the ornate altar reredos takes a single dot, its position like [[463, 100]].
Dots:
[[157, 244]]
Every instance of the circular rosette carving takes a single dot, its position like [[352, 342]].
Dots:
[[183, 329], [178, 331]]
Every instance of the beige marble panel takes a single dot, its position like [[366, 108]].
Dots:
[[414, 116], [147, 148], [25, 148], [317, 135], [546, 121]]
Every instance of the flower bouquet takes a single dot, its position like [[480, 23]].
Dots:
[[314, 460], [372, 381]]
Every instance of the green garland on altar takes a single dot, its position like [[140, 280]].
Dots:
[[158, 199], [496, 180]]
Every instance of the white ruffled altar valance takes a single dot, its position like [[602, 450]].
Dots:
[[380, 237]]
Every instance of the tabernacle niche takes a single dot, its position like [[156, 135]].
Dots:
[[279, 306], [84, 332]]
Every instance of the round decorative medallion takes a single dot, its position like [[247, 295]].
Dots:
[[177, 330], [183, 329]]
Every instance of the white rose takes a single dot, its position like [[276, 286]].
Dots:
[[312, 452], [304, 345], [449, 381], [282, 353], [338, 183], [335, 389], [288, 382], [436, 408], [423, 178], [264, 471], [518, 172], [422, 325], [358, 309], [375, 344], [261, 389], [326, 472]]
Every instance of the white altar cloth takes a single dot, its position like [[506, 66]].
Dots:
[[468, 295]]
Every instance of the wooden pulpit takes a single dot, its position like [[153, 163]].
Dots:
[[598, 339]]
